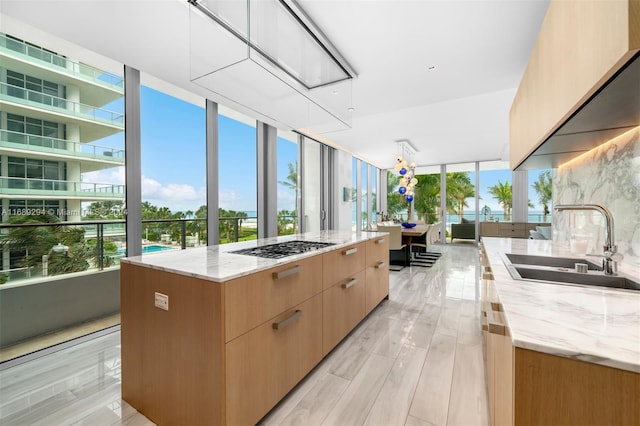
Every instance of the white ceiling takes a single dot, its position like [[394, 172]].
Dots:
[[457, 113]]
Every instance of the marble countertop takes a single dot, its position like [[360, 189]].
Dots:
[[592, 324], [215, 263]]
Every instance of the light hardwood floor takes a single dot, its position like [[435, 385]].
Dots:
[[416, 360]]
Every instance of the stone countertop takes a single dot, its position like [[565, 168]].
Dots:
[[215, 263], [592, 324]]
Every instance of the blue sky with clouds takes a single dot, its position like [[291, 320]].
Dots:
[[173, 160]]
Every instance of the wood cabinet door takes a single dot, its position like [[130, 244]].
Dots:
[[377, 250], [252, 300], [341, 263], [343, 307], [376, 285], [267, 362]]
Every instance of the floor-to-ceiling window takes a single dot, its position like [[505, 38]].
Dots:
[[352, 193], [61, 175], [312, 186], [365, 196], [237, 188], [426, 202], [373, 191], [495, 191], [540, 196], [173, 172], [288, 190]]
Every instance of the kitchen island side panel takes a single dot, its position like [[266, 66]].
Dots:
[[173, 360]]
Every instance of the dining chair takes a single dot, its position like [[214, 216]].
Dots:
[[396, 244]]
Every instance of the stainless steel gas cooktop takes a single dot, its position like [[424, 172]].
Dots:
[[279, 250]]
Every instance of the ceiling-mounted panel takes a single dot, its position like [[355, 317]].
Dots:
[[260, 59]]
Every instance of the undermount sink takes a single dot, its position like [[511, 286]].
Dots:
[[554, 262], [560, 270]]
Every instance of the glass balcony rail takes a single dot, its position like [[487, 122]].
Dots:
[[13, 46], [59, 105], [59, 146], [27, 186]]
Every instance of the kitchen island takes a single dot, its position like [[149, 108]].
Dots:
[[215, 337], [558, 354]]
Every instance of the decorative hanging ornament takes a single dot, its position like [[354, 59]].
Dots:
[[413, 165], [414, 181], [409, 198], [402, 190], [402, 171]]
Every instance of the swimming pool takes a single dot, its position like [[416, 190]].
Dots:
[[150, 249]]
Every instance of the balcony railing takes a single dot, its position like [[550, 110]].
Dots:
[[59, 105], [28, 186], [60, 63], [107, 240], [59, 146]]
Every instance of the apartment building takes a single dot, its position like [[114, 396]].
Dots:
[[59, 120]]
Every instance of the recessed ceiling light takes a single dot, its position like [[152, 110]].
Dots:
[[334, 92], [351, 109], [431, 68]]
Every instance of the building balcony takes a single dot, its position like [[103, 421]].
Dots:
[[92, 157], [95, 123], [29, 188], [97, 87]]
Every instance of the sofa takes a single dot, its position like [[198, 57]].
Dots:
[[464, 231]]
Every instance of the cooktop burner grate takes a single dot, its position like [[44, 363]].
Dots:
[[279, 250]]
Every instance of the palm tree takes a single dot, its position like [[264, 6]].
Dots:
[[502, 193], [544, 189], [36, 242], [395, 202], [427, 197], [459, 188], [291, 182]]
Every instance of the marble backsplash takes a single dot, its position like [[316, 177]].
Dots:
[[608, 175]]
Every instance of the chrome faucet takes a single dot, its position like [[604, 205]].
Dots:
[[610, 257]]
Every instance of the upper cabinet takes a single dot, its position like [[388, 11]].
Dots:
[[582, 84]]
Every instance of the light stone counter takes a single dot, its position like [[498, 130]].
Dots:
[[215, 263], [592, 324]]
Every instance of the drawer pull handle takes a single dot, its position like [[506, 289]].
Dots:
[[350, 283], [285, 322], [380, 241], [287, 272], [350, 251], [494, 324], [380, 265]]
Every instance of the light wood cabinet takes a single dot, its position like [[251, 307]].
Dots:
[[581, 44], [377, 273], [527, 387], [226, 353], [343, 307], [267, 362], [342, 263], [253, 299], [508, 229]]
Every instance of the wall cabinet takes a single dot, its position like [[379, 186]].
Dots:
[[581, 45], [226, 353]]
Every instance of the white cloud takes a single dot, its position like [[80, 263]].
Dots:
[[176, 196]]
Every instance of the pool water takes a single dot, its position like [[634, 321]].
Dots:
[[149, 249]]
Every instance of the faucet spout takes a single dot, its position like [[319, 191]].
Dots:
[[609, 248]]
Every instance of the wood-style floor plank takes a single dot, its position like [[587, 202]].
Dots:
[[415, 360]]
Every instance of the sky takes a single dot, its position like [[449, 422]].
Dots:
[[173, 160], [173, 157]]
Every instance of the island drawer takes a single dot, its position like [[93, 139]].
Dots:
[[266, 363], [377, 250], [252, 300], [342, 263], [376, 284], [343, 307]]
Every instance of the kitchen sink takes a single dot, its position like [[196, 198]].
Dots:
[[566, 276], [554, 262], [560, 270]]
